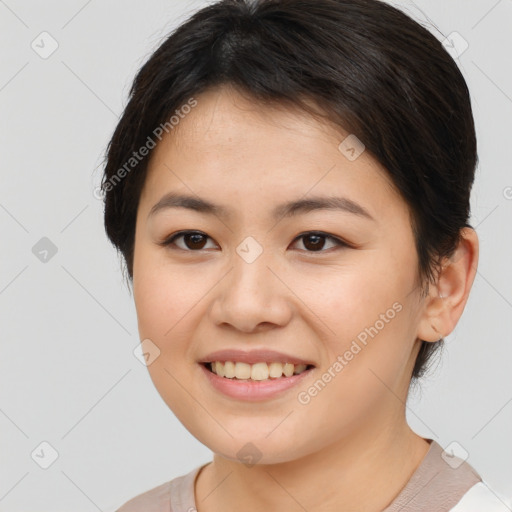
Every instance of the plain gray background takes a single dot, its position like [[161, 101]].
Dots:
[[68, 331]]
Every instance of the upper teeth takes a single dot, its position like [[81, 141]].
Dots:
[[258, 371]]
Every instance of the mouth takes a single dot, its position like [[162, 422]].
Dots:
[[257, 382], [261, 371], [257, 375]]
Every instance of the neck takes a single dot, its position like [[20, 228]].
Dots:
[[338, 477]]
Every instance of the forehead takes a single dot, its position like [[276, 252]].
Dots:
[[229, 143]]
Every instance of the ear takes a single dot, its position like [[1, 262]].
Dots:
[[448, 296]]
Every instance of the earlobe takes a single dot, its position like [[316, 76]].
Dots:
[[448, 296]]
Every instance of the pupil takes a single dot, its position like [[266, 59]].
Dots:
[[317, 241], [194, 239]]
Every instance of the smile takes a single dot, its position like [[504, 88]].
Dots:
[[254, 382]]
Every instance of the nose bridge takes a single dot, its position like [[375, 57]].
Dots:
[[251, 273], [251, 294]]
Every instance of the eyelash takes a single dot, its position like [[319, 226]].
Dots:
[[168, 242]]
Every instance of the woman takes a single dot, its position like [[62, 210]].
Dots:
[[289, 187]]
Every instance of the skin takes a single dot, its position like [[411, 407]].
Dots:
[[317, 456]]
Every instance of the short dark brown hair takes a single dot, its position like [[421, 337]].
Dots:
[[367, 66]]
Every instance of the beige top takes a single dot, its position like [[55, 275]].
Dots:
[[437, 485]]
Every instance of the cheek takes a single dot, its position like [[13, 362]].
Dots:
[[166, 301], [349, 302], [162, 294], [369, 320]]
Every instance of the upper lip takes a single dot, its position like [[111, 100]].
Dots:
[[253, 357]]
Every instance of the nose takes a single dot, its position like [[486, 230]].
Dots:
[[252, 297]]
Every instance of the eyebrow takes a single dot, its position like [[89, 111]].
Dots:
[[289, 209]]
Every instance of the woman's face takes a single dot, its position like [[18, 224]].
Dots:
[[260, 277]]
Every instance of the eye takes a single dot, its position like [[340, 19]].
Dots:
[[314, 241], [193, 240]]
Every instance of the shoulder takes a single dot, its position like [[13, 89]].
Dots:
[[173, 496], [481, 497], [155, 500]]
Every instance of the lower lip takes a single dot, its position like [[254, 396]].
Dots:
[[253, 390]]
